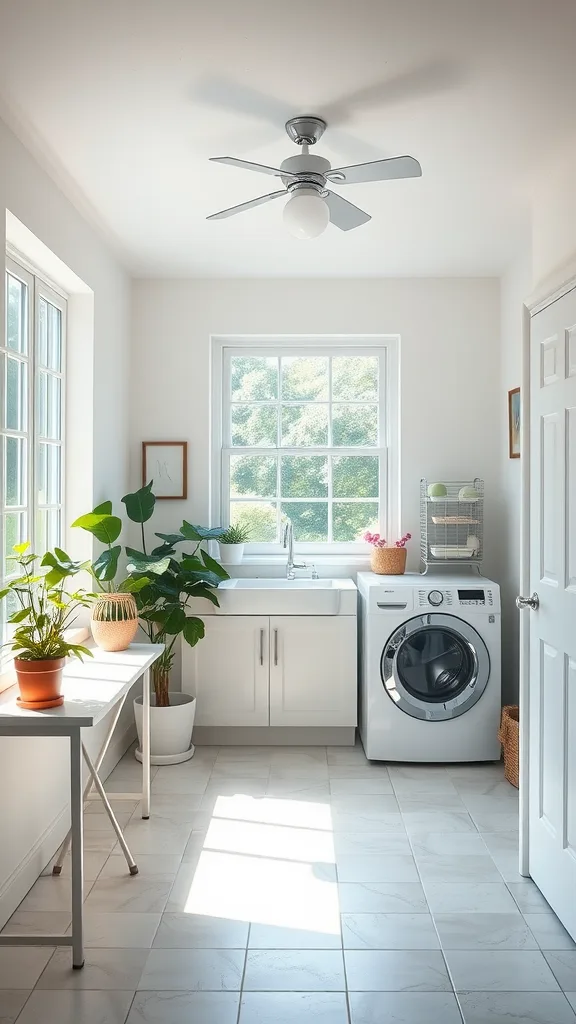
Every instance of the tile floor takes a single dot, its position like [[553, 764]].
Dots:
[[279, 885]]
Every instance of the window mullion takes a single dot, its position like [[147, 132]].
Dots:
[[32, 420]]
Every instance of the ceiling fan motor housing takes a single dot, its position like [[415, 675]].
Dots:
[[305, 169]]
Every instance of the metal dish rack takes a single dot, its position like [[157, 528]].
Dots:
[[452, 529]]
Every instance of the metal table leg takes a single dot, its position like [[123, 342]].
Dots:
[[104, 797], [57, 867], [146, 744], [77, 815]]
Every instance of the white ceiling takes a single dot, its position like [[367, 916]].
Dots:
[[127, 99]]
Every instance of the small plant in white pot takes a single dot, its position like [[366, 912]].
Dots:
[[163, 609], [231, 544]]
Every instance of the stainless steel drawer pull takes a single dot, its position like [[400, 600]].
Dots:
[[261, 646], [275, 646]]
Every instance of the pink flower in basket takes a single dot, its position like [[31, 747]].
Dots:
[[379, 542]]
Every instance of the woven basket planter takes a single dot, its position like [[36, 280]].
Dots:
[[388, 561], [114, 621], [509, 736]]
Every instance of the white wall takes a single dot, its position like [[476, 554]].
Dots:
[[516, 286], [554, 217], [34, 773], [449, 368]]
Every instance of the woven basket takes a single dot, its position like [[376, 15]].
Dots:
[[388, 561], [509, 736], [114, 621]]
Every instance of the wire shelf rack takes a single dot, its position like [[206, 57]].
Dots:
[[452, 523]]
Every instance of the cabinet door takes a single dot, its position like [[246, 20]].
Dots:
[[313, 670], [228, 671]]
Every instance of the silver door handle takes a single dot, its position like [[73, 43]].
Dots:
[[261, 646], [275, 646], [528, 602]]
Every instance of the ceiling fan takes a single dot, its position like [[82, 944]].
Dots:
[[311, 205]]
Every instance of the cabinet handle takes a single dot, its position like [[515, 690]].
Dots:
[[275, 646], [261, 646]]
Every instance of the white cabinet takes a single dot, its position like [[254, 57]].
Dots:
[[290, 670], [313, 670], [228, 671]]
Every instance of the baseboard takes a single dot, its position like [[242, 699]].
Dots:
[[22, 879], [335, 736]]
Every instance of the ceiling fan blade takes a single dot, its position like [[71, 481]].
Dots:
[[249, 166], [344, 215], [377, 170], [232, 210]]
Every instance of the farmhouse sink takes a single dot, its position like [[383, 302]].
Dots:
[[262, 596]]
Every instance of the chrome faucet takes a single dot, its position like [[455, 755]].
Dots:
[[291, 565]]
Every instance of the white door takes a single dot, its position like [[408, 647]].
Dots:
[[313, 670], [228, 671], [552, 686]]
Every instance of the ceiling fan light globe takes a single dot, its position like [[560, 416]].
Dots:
[[306, 215]]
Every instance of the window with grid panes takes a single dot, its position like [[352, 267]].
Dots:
[[32, 353], [304, 437]]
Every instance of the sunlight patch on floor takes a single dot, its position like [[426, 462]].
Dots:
[[274, 811]]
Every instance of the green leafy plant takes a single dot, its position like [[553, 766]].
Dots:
[[173, 578], [45, 608], [235, 535], [106, 528]]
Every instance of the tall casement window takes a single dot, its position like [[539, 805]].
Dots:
[[32, 404], [306, 433]]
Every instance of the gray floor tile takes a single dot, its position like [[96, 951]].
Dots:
[[382, 898], [21, 966], [138, 895], [371, 843], [471, 898], [39, 922], [74, 1006], [515, 1008], [200, 970], [195, 931], [134, 931], [184, 1008], [269, 936], [361, 787], [404, 1008], [563, 963], [373, 868], [118, 969], [396, 971], [438, 821], [549, 932], [571, 997], [461, 844], [390, 821], [529, 898], [484, 931], [451, 867], [289, 970], [389, 931], [293, 1008], [495, 820], [502, 970], [11, 1002]]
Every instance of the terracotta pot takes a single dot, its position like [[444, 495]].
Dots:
[[114, 621], [40, 682], [388, 561]]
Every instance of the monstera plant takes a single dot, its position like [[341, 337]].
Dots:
[[176, 571]]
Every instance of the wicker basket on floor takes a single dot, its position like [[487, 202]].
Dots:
[[509, 736]]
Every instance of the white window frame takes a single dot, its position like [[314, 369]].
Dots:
[[38, 288], [386, 348]]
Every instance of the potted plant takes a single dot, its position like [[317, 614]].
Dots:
[[114, 618], [387, 559], [231, 544], [44, 610], [173, 577]]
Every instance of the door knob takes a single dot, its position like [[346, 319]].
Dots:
[[528, 602]]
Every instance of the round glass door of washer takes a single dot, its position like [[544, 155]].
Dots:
[[435, 667]]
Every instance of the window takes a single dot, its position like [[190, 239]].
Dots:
[[305, 434], [32, 355]]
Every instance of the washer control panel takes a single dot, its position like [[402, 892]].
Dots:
[[479, 597]]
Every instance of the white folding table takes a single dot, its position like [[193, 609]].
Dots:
[[91, 689]]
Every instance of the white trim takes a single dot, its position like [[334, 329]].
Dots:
[[557, 284], [384, 346], [524, 631]]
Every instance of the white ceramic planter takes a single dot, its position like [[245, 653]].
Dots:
[[170, 729], [231, 554]]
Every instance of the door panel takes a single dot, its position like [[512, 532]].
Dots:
[[552, 688], [228, 671], [313, 670]]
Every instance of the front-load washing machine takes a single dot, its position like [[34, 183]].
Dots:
[[430, 667]]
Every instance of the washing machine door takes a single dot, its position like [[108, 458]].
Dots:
[[435, 667]]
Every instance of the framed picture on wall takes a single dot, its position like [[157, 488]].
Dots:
[[166, 464], [514, 423]]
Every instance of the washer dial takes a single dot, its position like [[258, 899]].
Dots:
[[435, 598]]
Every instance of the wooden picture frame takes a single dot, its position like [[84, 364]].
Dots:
[[514, 412], [166, 464]]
